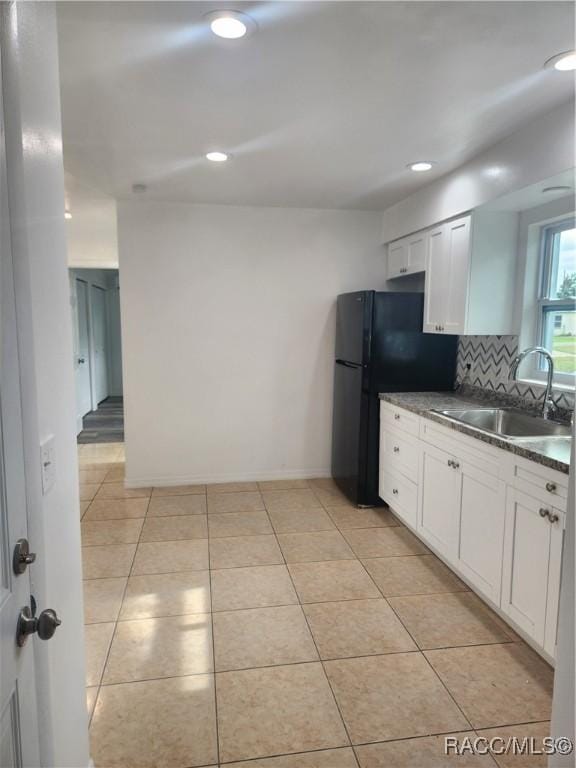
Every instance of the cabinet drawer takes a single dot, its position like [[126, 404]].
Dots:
[[541, 482], [468, 449], [399, 418], [399, 452], [401, 494]]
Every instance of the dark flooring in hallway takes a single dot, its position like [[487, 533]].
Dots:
[[106, 425]]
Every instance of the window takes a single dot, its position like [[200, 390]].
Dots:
[[557, 302]]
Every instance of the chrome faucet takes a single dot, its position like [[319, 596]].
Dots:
[[548, 406]]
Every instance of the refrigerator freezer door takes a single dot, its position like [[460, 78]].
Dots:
[[354, 326]]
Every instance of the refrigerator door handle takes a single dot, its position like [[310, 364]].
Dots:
[[346, 364]]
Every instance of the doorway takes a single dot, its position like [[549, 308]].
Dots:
[[98, 355]]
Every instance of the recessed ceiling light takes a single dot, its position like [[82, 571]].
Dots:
[[560, 188], [67, 214], [563, 62], [217, 157], [421, 165], [231, 25]]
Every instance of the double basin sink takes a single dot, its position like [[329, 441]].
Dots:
[[508, 423]]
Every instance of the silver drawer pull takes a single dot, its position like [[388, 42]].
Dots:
[[395, 491], [553, 517], [551, 487], [396, 449], [396, 416], [544, 512]]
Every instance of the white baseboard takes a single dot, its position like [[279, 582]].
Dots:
[[219, 477]]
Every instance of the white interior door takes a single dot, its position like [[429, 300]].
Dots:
[[82, 362], [99, 341], [19, 736]]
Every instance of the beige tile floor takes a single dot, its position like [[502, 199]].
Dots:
[[271, 625]]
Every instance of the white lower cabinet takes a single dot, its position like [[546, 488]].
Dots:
[[532, 562], [497, 520], [481, 534], [440, 506]]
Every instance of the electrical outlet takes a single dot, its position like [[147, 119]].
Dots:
[[48, 464]]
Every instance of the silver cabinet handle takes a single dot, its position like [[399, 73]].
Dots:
[[395, 491], [553, 517], [456, 465], [551, 487], [397, 416], [396, 449], [544, 512], [450, 462]]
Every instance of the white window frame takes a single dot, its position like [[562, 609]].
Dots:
[[545, 305]]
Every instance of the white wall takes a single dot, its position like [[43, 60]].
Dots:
[[228, 335], [36, 184], [91, 232], [540, 149]]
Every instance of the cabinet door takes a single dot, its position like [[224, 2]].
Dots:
[[397, 258], [435, 284], [554, 571], [457, 262], [440, 507], [526, 566], [417, 247], [482, 516]]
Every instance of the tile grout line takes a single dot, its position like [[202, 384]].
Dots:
[[216, 725], [344, 725], [100, 684], [417, 645]]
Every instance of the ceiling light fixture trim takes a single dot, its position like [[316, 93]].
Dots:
[[217, 157], [421, 165], [231, 25], [562, 62]]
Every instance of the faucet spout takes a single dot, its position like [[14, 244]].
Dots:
[[548, 406]]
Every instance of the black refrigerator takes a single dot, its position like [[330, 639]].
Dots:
[[380, 347]]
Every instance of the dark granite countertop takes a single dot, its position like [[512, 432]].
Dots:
[[550, 452]]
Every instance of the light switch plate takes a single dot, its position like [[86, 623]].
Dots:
[[48, 464]]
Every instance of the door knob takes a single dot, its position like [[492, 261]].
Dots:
[[45, 625], [22, 557]]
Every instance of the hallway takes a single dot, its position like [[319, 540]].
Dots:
[[249, 620], [105, 425]]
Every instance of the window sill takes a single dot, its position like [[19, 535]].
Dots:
[[555, 386]]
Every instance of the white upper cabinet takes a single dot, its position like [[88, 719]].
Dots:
[[470, 268], [434, 297], [407, 256]]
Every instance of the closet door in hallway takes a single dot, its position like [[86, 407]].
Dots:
[[99, 340]]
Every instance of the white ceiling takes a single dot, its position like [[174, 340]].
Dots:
[[322, 107]]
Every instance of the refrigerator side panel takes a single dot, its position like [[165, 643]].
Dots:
[[346, 429]]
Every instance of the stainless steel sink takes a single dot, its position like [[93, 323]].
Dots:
[[507, 422]]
